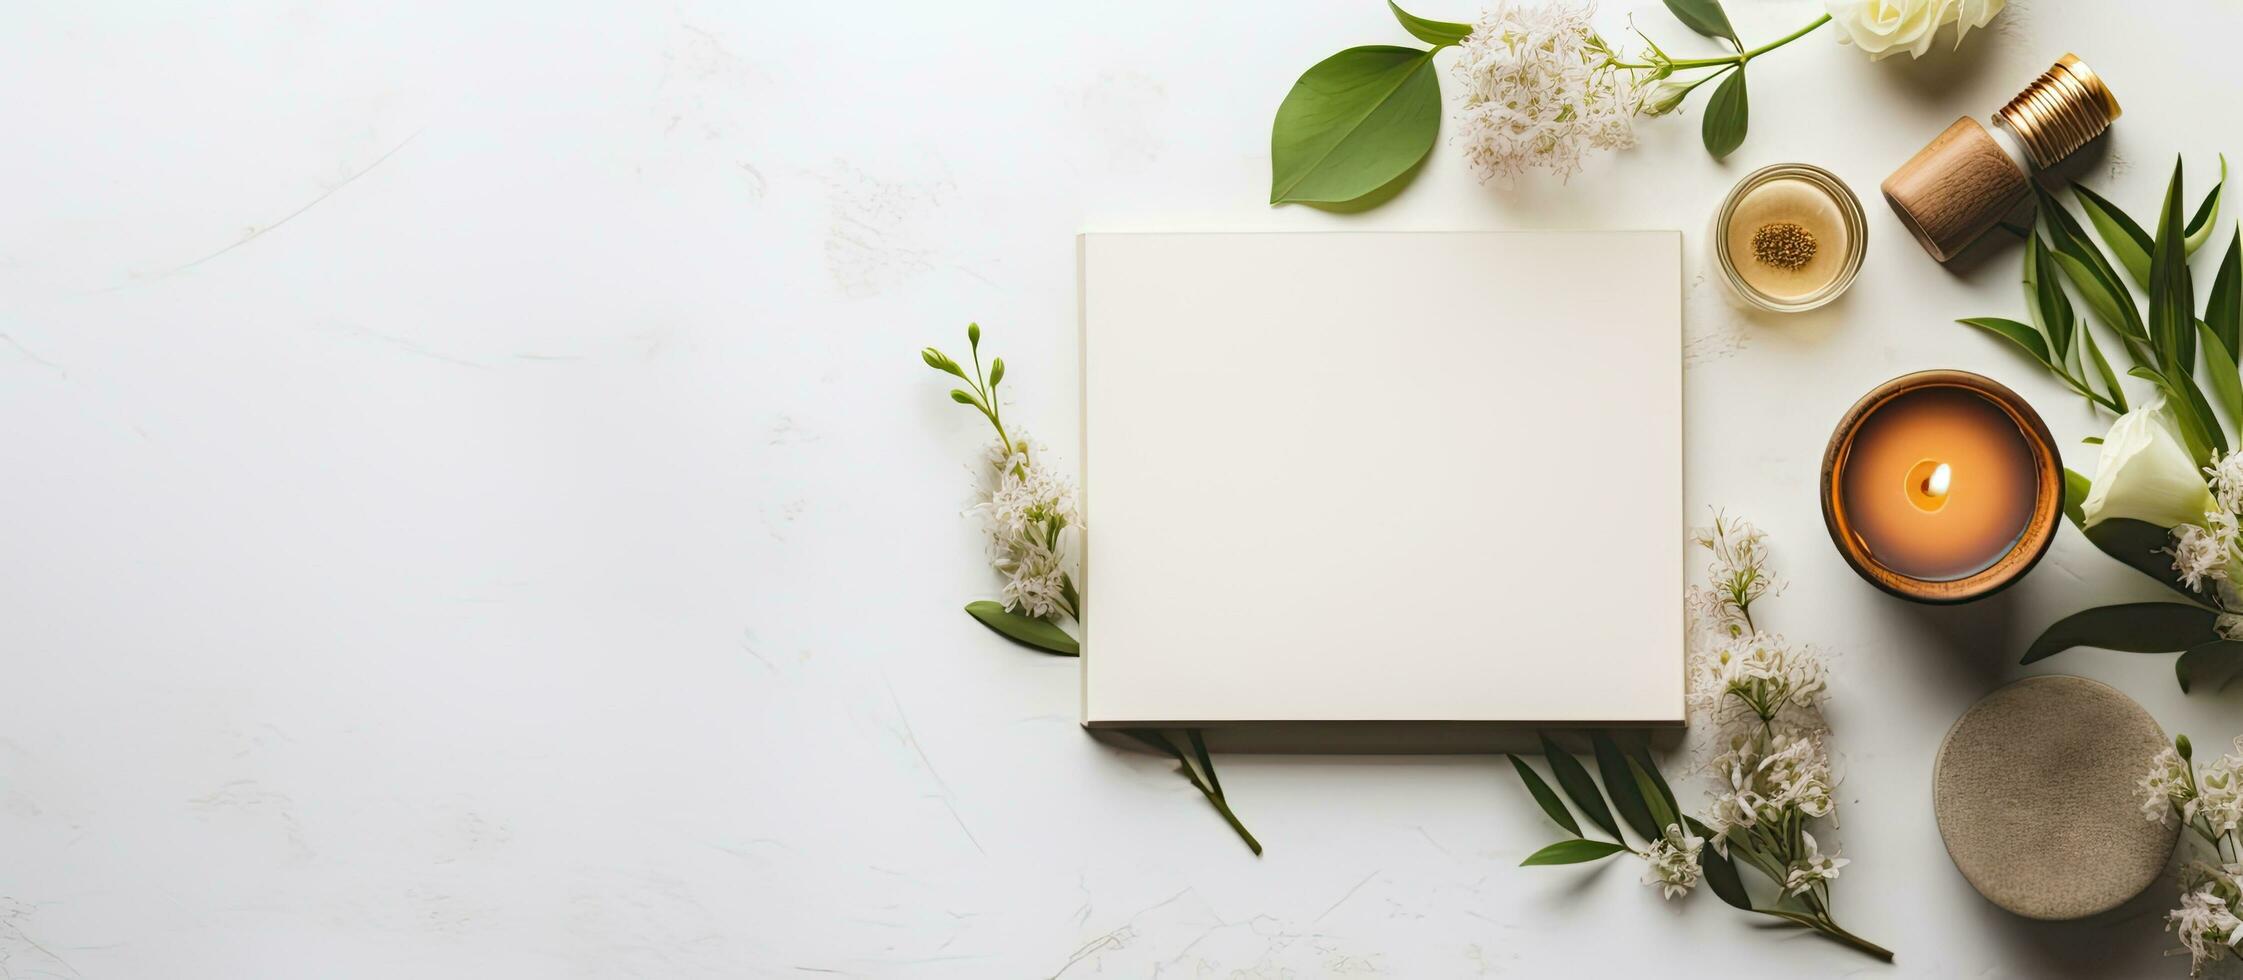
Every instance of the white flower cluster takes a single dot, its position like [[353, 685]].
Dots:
[[1737, 575], [2209, 801], [2212, 551], [2206, 923], [1540, 85], [1758, 674], [1672, 862], [1027, 513]]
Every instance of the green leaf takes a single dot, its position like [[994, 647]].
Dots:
[[2223, 310], [2076, 488], [2051, 309], [2111, 386], [1721, 871], [1704, 16], [1727, 115], [2092, 274], [1545, 796], [2141, 546], [1578, 786], [1639, 750], [2121, 234], [1662, 815], [2216, 663], [1574, 851], [2023, 335], [2186, 415], [2224, 381], [2136, 627], [2172, 298], [1025, 630], [1619, 784], [1439, 33], [1354, 122], [2200, 225]]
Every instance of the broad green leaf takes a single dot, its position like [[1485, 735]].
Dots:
[[1025, 630], [2023, 335], [1727, 115], [1704, 16], [1544, 796], [1579, 787], [2076, 488], [2140, 545], [1439, 33], [1573, 851], [1662, 815], [2200, 225], [2121, 234], [2223, 310], [2138, 627], [2172, 297], [1721, 872], [1354, 122], [2098, 283], [1621, 786], [2224, 381], [2215, 664], [2114, 310]]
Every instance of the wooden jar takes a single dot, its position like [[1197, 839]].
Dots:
[[1969, 179]]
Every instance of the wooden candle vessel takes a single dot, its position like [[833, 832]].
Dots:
[[2036, 523]]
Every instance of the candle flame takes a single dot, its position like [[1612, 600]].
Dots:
[[1941, 478]]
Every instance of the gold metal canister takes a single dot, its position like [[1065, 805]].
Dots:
[[2063, 109]]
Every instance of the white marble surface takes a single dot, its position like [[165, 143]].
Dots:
[[478, 512]]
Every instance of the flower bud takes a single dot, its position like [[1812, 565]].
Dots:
[[1665, 98], [973, 334], [996, 371], [963, 397], [940, 362], [2180, 744]]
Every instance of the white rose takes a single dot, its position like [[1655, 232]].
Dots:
[[1883, 28], [2146, 475]]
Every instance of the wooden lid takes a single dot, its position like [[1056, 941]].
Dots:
[[1959, 186]]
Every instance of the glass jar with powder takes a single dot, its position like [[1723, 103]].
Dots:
[[1789, 237]]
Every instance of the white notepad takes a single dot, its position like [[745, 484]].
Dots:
[[1374, 477]]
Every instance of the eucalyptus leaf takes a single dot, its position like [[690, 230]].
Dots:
[[2200, 225], [2136, 627], [2051, 309], [1720, 870], [2215, 664], [2141, 546], [2223, 310], [1727, 115], [1579, 787], [1704, 16], [1575, 851], [1439, 33], [1544, 796], [2076, 488], [1621, 786], [2121, 234], [1354, 122], [2021, 334], [1025, 630]]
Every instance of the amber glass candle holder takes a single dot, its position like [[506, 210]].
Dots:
[[1942, 486]]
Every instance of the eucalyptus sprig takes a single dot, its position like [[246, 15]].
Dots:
[[1363, 118]]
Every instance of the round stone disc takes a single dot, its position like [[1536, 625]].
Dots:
[[2034, 791]]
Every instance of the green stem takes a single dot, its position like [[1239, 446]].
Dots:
[[1742, 57]]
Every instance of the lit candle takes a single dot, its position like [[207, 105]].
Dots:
[[1941, 486]]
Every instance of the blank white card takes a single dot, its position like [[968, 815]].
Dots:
[[1415, 477]]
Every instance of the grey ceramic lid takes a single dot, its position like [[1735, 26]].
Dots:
[[2034, 791]]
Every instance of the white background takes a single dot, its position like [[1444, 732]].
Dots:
[[477, 509]]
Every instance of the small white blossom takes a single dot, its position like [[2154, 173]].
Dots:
[[1736, 577], [2198, 555], [1672, 862], [2219, 792], [1759, 674], [2226, 477], [1540, 86], [1810, 867]]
